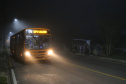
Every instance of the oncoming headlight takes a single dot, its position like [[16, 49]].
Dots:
[[27, 53], [50, 52]]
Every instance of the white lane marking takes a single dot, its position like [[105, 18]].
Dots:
[[13, 77]]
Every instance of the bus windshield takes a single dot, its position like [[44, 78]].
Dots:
[[37, 42]]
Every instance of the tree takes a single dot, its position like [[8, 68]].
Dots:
[[108, 30]]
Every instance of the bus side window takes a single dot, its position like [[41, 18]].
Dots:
[[21, 41], [13, 44], [18, 44]]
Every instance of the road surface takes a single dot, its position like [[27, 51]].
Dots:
[[67, 68]]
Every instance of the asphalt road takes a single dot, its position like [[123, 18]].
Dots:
[[66, 68]]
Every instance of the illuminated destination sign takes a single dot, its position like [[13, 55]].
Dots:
[[40, 31], [30, 31]]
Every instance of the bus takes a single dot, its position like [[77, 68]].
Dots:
[[32, 44]]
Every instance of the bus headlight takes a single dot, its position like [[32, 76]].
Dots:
[[27, 53], [50, 52]]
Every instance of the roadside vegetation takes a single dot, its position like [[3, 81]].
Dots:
[[111, 35], [3, 80], [3, 66]]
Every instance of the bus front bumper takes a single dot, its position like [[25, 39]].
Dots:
[[32, 58]]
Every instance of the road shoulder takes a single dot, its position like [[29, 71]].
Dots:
[[103, 58]]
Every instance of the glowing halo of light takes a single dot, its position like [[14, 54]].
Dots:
[[15, 19]]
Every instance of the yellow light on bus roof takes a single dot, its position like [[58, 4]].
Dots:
[[40, 31]]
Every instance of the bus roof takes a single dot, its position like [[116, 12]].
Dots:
[[38, 28]]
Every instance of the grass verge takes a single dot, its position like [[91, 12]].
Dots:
[[3, 80]]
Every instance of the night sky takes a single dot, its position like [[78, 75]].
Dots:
[[66, 18]]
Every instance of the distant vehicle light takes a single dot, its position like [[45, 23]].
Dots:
[[50, 52], [27, 53]]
